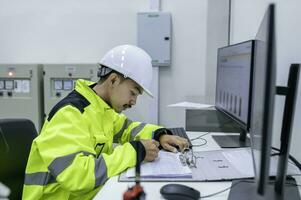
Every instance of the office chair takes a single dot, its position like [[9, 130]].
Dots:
[[16, 136]]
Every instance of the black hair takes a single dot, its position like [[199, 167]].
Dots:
[[104, 72]]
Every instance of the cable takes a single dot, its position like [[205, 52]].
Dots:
[[295, 161], [292, 158], [291, 162], [199, 145], [200, 138]]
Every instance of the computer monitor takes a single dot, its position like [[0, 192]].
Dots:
[[234, 81], [234, 89], [261, 123], [264, 91]]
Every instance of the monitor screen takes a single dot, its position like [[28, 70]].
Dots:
[[264, 90], [234, 81]]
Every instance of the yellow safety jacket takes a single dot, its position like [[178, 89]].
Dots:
[[73, 156]]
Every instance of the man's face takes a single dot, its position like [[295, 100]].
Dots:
[[124, 94]]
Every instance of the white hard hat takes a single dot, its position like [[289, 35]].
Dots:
[[131, 61]]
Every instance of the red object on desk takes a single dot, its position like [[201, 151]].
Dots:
[[134, 193]]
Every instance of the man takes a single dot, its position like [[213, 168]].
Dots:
[[73, 156]]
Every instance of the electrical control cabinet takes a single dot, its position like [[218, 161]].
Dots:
[[154, 36], [21, 92], [60, 80]]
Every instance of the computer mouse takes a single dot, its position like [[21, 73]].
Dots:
[[179, 192]]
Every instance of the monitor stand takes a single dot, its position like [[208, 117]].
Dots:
[[232, 141], [247, 190], [216, 121], [290, 92]]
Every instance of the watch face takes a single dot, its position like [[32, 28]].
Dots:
[[68, 84], [9, 84], [1, 84], [58, 84]]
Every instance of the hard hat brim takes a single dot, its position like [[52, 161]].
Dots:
[[148, 93]]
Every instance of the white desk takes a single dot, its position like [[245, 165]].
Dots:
[[114, 189]]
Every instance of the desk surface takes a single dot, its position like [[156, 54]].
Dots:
[[114, 189]]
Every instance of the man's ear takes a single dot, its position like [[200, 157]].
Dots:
[[113, 79]]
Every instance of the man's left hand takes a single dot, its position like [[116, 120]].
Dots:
[[172, 142]]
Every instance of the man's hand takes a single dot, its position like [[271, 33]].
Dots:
[[170, 142], [151, 149]]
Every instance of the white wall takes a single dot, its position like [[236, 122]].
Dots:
[[217, 36], [64, 31], [196, 36], [77, 31], [186, 76], [246, 17]]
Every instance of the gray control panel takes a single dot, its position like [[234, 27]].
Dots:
[[60, 80], [21, 92]]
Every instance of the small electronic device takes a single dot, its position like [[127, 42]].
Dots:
[[179, 192]]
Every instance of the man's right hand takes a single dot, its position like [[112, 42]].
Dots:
[[151, 149]]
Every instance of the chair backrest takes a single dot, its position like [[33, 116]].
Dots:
[[16, 136]]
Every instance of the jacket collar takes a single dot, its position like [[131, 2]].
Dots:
[[84, 87]]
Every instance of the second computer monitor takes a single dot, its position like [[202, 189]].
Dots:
[[234, 81]]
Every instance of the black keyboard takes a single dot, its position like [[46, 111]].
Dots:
[[180, 131]]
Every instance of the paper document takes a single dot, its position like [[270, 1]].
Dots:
[[229, 164], [167, 165], [241, 160], [226, 164], [186, 104]]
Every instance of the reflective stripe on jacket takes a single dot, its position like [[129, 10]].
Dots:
[[73, 156]]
